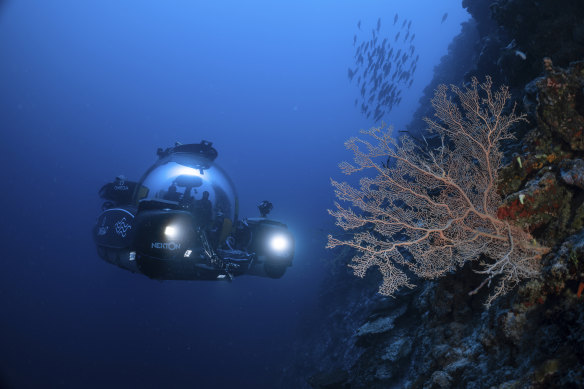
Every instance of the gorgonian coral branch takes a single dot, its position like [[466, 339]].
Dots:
[[429, 211]]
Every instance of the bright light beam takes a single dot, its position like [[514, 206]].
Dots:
[[279, 243], [171, 231]]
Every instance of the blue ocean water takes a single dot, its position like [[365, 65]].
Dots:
[[90, 89]]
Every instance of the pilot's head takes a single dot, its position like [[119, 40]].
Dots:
[[205, 195]]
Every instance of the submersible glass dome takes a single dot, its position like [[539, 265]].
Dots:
[[183, 177]]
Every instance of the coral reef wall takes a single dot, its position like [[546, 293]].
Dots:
[[508, 39], [436, 335]]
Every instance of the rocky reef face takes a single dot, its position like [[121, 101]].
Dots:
[[508, 40], [538, 29], [437, 335], [543, 184], [515, 36]]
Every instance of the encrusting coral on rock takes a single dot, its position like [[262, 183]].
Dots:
[[436, 336]]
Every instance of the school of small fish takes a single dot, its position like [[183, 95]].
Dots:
[[385, 64]]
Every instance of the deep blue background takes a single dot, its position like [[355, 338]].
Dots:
[[89, 90]]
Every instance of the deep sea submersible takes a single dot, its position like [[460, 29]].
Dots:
[[180, 222]]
